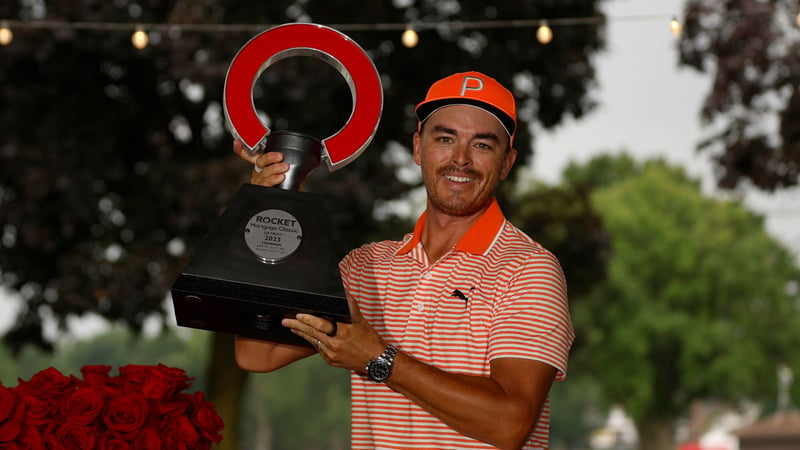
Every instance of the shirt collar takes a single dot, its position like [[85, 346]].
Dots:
[[477, 239]]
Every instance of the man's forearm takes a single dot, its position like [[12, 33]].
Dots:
[[501, 410], [255, 355]]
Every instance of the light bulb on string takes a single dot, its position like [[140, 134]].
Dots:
[[544, 34], [139, 39], [6, 35], [797, 19], [410, 38], [675, 27]]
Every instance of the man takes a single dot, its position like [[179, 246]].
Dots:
[[459, 330]]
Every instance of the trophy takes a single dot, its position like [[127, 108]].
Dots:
[[270, 254]]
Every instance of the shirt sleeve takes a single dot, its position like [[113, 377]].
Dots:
[[531, 317]]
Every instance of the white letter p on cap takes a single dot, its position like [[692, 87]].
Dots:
[[465, 85]]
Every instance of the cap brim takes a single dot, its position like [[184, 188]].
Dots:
[[424, 110]]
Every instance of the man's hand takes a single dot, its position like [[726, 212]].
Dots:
[[351, 347], [268, 168]]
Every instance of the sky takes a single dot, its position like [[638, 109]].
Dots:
[[650, 107], [647, 106]]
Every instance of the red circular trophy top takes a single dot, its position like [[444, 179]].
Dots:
[[326, 44]]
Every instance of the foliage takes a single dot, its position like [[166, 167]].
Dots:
[[187, 350], [700, 301], [115, 161], [601, 171], [303, 406], [575, 411], [752, 47], [563, 220]]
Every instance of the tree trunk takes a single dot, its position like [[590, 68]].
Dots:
[[655, 433], [225, 388]]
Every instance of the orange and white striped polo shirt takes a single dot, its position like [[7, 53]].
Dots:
[[516, 306]]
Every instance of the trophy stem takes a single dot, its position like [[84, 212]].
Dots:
[[301, 151]]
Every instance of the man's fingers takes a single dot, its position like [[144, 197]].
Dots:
[[239, 149], [312, 326], [334, 329], [268, 170], [272, 158], [302, 329]]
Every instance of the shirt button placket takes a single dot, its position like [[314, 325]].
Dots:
[[416, 315]]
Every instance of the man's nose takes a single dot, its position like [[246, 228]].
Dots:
[[461, 154]]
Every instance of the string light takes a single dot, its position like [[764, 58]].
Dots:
[[6, 35], [675, 27], [410, 38], [544, 34], [544, 30], [139, 39], [344, 27], [797, 19]]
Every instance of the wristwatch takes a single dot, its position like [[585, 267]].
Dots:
[[379, 368]]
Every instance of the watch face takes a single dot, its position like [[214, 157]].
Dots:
[[379, 369]]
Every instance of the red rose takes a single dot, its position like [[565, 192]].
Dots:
[[176, 406], [47, 384], [205, 417], [148, 440], [113, 443], [179, 433], [125, 415], [6, 402], [154, 382], [130, 377], [163, 382], [143, 408], [29, 439], [37, 412], [96, 376], [74, 437], [14, 411], [82, 406]]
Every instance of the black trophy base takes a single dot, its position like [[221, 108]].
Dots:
[[243, 285], [248, 310]]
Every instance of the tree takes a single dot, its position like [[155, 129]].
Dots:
[[563, 220], [303, 406], [115, 161], [700, 302], [752, 49]]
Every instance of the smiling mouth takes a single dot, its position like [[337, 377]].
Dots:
[[459, 179]]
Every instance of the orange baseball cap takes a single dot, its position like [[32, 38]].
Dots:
[[475, 89]]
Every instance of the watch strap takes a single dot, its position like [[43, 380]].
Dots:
[[389, 353], [385, 359]]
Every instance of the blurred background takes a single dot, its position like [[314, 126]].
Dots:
[[659, 152]]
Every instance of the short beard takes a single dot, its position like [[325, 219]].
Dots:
[[457, 207]]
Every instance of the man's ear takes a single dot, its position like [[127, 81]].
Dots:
[[508, 162], [417, 148]]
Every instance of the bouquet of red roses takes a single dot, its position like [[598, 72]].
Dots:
[[142, 408]]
